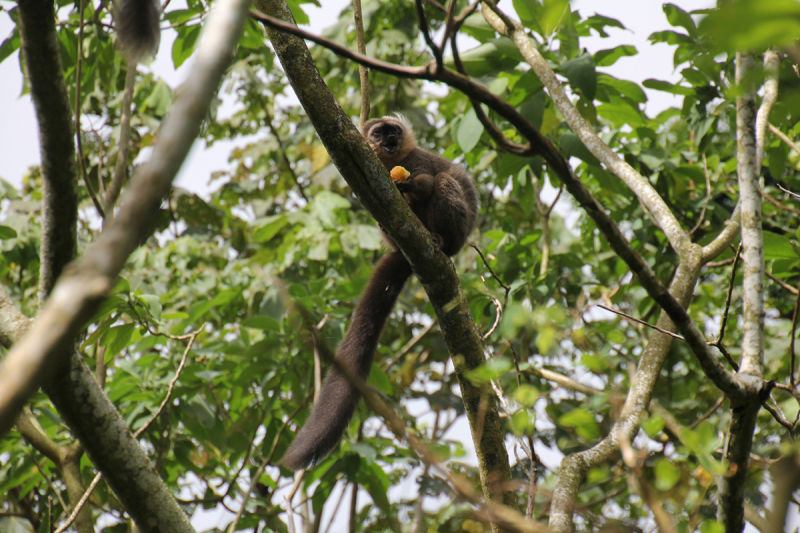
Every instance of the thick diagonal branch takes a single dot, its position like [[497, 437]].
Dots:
[[370, 182]]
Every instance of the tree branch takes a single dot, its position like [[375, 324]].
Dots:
[[81, 290], [745, 409], [557, 163], [650, 199], [369, 180], [41, 49], [771, 65], [363, 73], [47, 347]]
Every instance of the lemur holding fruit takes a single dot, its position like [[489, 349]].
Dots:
[[441, 194]]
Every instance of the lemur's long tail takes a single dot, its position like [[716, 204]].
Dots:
[[338, 398]]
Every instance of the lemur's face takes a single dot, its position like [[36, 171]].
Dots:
[[385, 137]]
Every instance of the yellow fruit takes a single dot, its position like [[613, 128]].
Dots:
[[399, 174]]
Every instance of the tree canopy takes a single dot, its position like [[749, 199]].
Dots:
[[634, 278]]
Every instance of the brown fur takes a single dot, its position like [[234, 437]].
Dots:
[[138, 31], [443, 197]]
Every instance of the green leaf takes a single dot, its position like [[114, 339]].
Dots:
[[621, 112], [372, 477], [652, 425], [324, 206], [195, 211], [153, 304], [183, 47], [380, 380], [670, 37], [262, 322], [10, 45], [526, 395], [581, 74], [553, 15], [179, 17], [711, 526], [491, 369], [7, 233], [678, 17], [624, 88], [545, 339], [476, 27], [209, 375], [174, 316], [200, 409], [160, 98], [667, 475], [497, 55], [268, 227], [598, 23], [572, 146], [609, 56], [667, 87], [522, 423], [44, 525], [753, 24], [299, 15], [778, 247], [252, 36], [118, 337], [529, 12], [470, 130], [320, 245], [583, 421]]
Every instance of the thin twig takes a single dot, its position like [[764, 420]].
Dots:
[[629, 317], [523, 150], [363, 73], [48, 480], [172, 383], [727, 355], [777, 204], [564, 381], [79, 142], [448, 23], [778, 415], [285, 156], [497, 316], [782, 136], [770, 96], [708, 413], [790, 193], [298, 478], [411, 343], [268, 460], [555, 201], [74, 514], [782, 283], [729, 296], [791, 342], [533, 488], [708, 197], [494, 274], [717, 264], [121, 168], [516, 363], [426, 33]]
